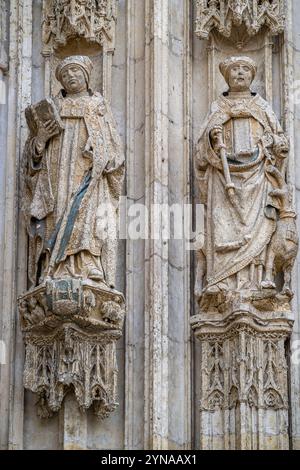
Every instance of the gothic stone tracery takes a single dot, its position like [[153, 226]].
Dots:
[[93, 20], [223, 15]]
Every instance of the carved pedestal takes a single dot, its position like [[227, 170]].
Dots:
[[244, 384], [70, 330]]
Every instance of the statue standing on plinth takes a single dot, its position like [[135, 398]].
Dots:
[[241, 162], [244, 317], [72, 315], [74, 166]]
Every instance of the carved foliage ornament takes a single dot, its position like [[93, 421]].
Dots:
[[222, 15], [70, 330], [93, 20]]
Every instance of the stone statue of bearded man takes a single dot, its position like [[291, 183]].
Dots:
[[74, 169], [241, 164]]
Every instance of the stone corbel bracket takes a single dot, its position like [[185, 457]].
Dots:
[[70, 328], [92, 20], [252, 15]]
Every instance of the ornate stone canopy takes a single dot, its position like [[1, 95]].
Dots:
[[223, 15], [89, 19]]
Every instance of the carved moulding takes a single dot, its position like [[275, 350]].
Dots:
[[252, 15], [93, 20], [244, 383], [70, 330]]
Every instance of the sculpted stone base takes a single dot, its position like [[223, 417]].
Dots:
[[244, 386], [70, 328], [251, 301]]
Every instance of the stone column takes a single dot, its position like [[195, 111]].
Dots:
[[3, 53], [291, 84], [158, 169], [135, 268], [167, 146], [156, 254]]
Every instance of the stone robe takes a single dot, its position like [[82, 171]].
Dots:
[[238, 234], [81, 169]]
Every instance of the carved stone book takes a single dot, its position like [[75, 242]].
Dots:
[[42, 112]]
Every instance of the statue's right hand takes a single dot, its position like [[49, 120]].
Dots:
[[216, 133]]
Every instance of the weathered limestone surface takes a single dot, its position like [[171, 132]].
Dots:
[[160, 80], [72, 316], [217, 305], [241, 162]]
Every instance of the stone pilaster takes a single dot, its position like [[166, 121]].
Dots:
[[158, 126], [13, 256], [156, 250]]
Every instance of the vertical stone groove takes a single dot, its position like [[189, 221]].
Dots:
[[156, 253]]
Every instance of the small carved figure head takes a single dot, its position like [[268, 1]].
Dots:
[[74, 73], [32, 303], [23, 309], [239, 72], [112, 312]]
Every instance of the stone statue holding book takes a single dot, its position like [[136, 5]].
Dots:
[[72, 314], [74, 166]]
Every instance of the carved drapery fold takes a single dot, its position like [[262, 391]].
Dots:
[[223, 15]]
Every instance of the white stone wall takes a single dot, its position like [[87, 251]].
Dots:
[[163, 80]]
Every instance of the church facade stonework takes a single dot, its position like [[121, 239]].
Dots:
[[251, 235], [149, 224], [72, 314]]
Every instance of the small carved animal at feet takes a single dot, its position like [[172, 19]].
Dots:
[[282, 251]]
